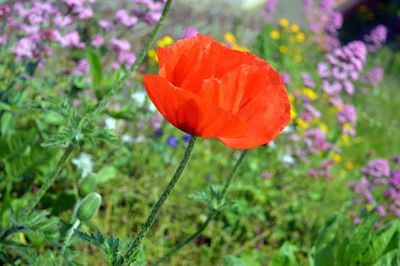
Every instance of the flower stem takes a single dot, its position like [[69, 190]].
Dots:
[[210, 216], [50, 180], [134, 246], [69, 235]]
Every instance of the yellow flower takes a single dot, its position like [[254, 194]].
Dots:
[[283, 49], [336, 158], [291, 98], [284, 22], [300, 37], [302, 123], [167, 40], [310, 94], [323, 127], [339, 107], [274, 34], [238, 47], [347, 127], [293, 113], [349, 166], [298, 58], [369, 207], [229, 37], [152, 55], [345, 139], [295, 28]]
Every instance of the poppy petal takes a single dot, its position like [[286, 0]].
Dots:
[[190, 113], [265, 116]]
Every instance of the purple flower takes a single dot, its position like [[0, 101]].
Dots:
[[377, 168], [373, 77], [97, 41], [265, 175], [285, 78], [172, 141], [381, 211], [123, 17], [189, 32], [120, 45], [82, 67], [376, 38], [395, 179], [25, 48], [307, 81], [186, 138], [347, 114], [104, 24]]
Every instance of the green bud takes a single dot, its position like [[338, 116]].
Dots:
[[87, 185], [89, 206]]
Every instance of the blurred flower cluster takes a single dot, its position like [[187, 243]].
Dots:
[[378, 189]]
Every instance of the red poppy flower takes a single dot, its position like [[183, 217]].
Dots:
[[208, 90]]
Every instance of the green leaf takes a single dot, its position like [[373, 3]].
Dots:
[[358, 243], [95, 68], [390, 259], [327, 234], [378, 244], [106, 174], [285, 256], [234, 261]]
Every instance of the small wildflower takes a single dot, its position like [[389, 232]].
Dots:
[[283, 49], [298, 58], [284, 22], [300, 37], [349, 166], [229, 37], [302, 123], [336, 158], [310, 94], [274, 34], [172, 141], [295, 28]]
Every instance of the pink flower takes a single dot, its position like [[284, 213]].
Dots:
[[123, 17], [97, 41]]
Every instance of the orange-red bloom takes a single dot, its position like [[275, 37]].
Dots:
[[209, 90]]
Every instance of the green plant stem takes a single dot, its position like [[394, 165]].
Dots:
[[133, 247], [213, 213], [50, 180], [118, 86], [70, 233]]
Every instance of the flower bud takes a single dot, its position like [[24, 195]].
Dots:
[[87, 185], [89, 206]]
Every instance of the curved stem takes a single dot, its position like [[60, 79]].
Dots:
[[70, 233], [134, 246], [50, 180], [213, 213]]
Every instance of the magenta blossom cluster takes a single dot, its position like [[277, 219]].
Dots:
[[373, 77], [342, 68], [376, 38], [378, 189], [34, 29], [269, 10], [325, 22], [347, 117]]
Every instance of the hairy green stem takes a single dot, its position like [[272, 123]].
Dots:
[[135, 245], [210, 216], [70, 233], [50, 180]]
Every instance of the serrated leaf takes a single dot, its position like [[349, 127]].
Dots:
[[358, 243], [392, 258], [378, 244]]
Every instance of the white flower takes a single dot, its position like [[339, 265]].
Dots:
[[287, 158], [126, 138], [139, 97], [84, 163], [111, 123]]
